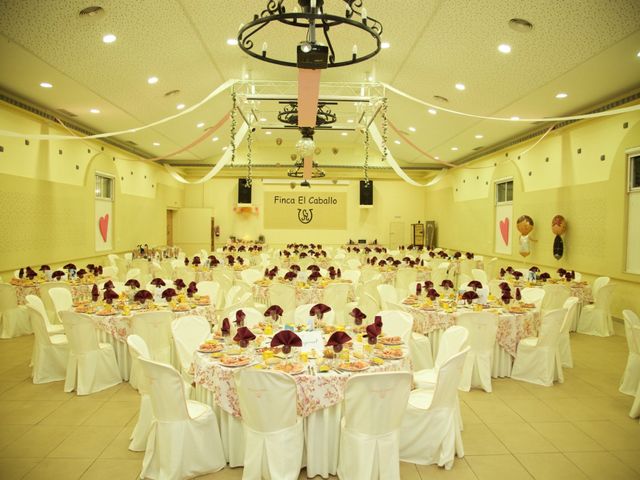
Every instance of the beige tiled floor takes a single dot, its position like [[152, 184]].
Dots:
[[577, 430]]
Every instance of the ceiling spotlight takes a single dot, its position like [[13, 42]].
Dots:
[[397, 142], [350, 120], [268, 132], [156, 144], [432, 111], [638, 54], [263, 119], [215, 139], [479, 136], [109, 38], [370, 78], [200, 125], [94, 110], [412, 129], [232, 41], [455, 149], [514, 118], [460, 86], [46, 85], [561, 95], [436, 157], [344, 134], [224, 148], [305, 47], [180, 106], [385, 45], [152, 80], [504, 48]]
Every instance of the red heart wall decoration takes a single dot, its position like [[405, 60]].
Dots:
[[103, 224], [504, 230]]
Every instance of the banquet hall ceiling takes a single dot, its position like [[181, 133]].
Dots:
[[587, 49]]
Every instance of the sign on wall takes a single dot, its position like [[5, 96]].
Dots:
[[503, 229], [310, 210]]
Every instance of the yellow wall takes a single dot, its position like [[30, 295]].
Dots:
[[47, 197], [552, 178]]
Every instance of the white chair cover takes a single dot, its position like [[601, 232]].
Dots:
[[140, 434], [480, 275], [555, 295], [242, 301], [482, 327], [50, 352], [396, 323], [387, 294], [373, 408], [92, 366], [635, 408], [37, 304], [430, 431], [302, 315], [252, 316], [188, 333], [631, 377], [132, 273], [353, 275], [570, 305], [336, 295], [184, 440], [596, 319], [110, 272], [419, 345], [46, 298], [597, 284], [61, 299], [285, 296], [251, 275], [213, 290], [538, 359], [155, 330], [404, 277], [14, 319], [274, 436], [452, 341], [534, 295]]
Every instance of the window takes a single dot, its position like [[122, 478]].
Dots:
[[634, 173], [104, 187], [504, 191], [633, 218]]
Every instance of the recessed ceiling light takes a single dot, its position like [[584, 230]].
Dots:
[[504, 48], [224, 148], [200, 125], [638, 54], [479, 136], [397, 142], [180, 106], [156, 144], [370, 78], [460, 86], [562, 95], [385, 45], [109, 38], [344, 134], [432, 111], [152, 80], [232, 41], [350, 120], [437, 158], [246, 76], [268, 132], [515, 118], [455, 149], [263, 119], [412, 129], [215, 139], [94, 110], [46, 85]]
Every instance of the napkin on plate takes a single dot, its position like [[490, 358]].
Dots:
[[290, 276], [169, 293], [337, 340], [110, 295], [240, 316], [133, 283], [45, 267], [475, 284], [107, 285], [69, 266], [195, 261], [158, 282], [225, 329], [192, 289], [287, 339], [179, 283], [244, 336], [274, 311], [358, 315], [469, 296], [373, 331], [142, 296], [319, 310], [446, 283], [57, 274], [95, 293]]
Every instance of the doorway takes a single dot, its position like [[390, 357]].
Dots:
[[396, 234], [170, 228]]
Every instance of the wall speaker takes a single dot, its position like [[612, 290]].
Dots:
[[244, 191], [366, 193]]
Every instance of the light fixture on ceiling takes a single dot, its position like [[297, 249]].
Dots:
[[268, 132], [156, 144], [638, 54], [504, 48], [200, 125], [397, 142], [514, 118], [310, 16], [520, 25], [432, 111], [562, 95], [215, 139], [94, 110], [263, 119], [412, 129], [479, 136], [152, 80], [232, 41], [180, 106], [385, 45], [109, 38], [350, 120], [46, 85], [454, 149], [460, 86], [344, 134]]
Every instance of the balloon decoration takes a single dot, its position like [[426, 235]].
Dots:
[[278, 141], [334, 150], [524, 224], [293, 157], [558, 227]]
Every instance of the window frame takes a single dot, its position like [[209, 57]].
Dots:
[[497, 185], [98, 191]]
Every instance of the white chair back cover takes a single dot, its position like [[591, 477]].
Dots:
[[353, 275], [212, 289], [302, 315], [155, 329], [570, 306], [336, 295], [244, 300], [439, 274], [353, 263], [550, 328], [404, 277], [166, 390], [8, 298], [14, 318], [369, 305], [396, 323], [635, 408], [188, 333], [50, 352], [92, 366], [596, 319], [61, 299], [36, 304], [597, 284], [373, 408], [387, 293], [132, 273], [452, 341], [251, 275], [482, 328], [46, 298], [285, 296], [274, 436], [445, 394], [534, 295], [631, 377], [555, 295], [480, 275]]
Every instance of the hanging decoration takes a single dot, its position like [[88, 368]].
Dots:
[[234, 109], [524, 224], [249, 153], [558, 227], [366, 158], [385, 128]]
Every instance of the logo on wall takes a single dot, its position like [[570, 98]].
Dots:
[[305, 215]]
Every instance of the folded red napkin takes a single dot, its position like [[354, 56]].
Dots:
[[469, 255], [315, 268], [294, 268], [337, 340], [240, 316], [158, 282], [469, 296], [428, 284], [289, 276], [81, 273], [287, 339], [518, 294], [196, 261], [186, 261], [225, 329], [418, 289], [319, 310], [169, 293], [110, 295], [142, 296], [506, 296], [446, 283], [372, 333], [69, 266], [133, 283], [274, 311], [504, 286], [95, 293], [358, 315], [244, 336], [179, 283], [192, 289], [45, 267], [544, 276], [377, 321], [475, 284], [432, 294], [315, 275], [57, 274]]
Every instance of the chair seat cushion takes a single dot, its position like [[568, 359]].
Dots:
[[421, 398], [59, 339], [422, 377], [529, 341], [197, 409]]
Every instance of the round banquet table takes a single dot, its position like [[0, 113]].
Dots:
[[512, 327], [319, 397], [305, 292], [79, 291]]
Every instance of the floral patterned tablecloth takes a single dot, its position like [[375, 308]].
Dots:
[[304, 294], [315, 392], [78, 291], [512, 327]]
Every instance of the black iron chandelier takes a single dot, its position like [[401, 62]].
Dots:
[[298, 170], [289, 114], [310, 15]]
